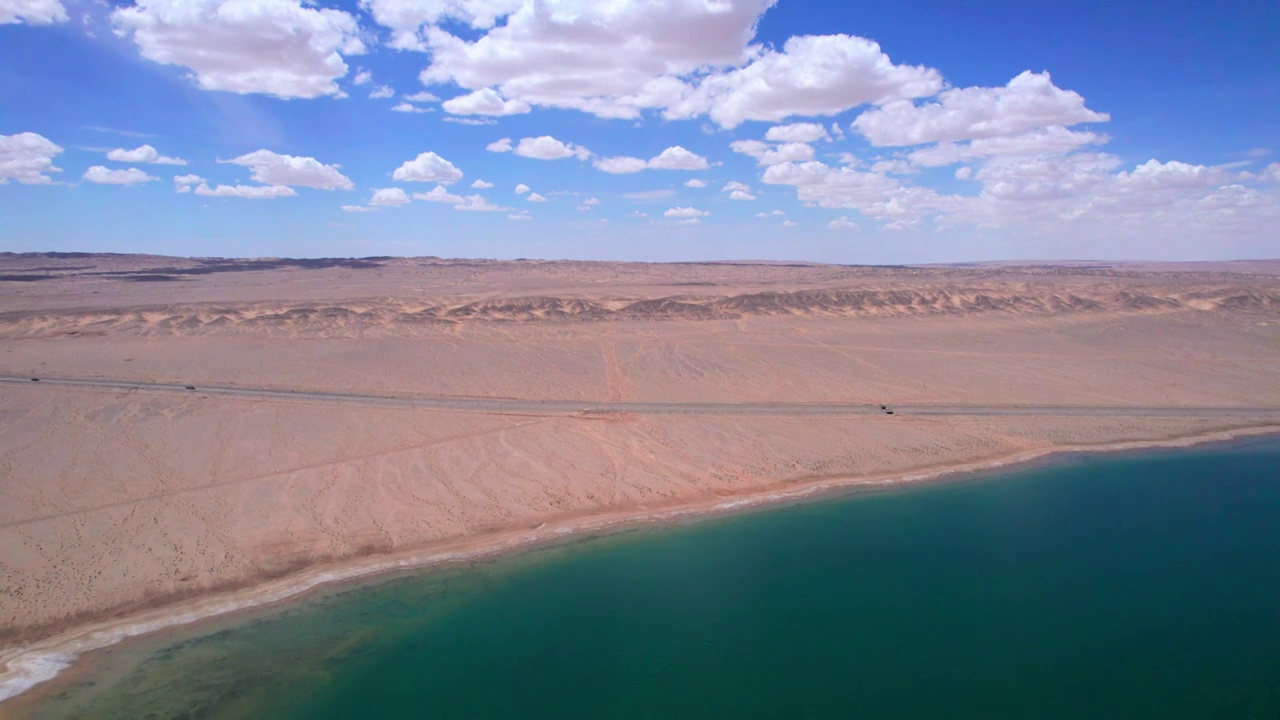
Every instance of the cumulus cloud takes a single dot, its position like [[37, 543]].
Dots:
[[788, 223], [621, 165], [382, 92], [735, 185], [1050, 140], [591, 201], [501, 145], [522, 189], [406, 18], [248, 192], [797, 133], [685, 212], [404, 107], [474, 203], [441, 195], [547, 148], [684, 58], [185, 183], [104, 176], [842, 223], [738, 191], [766, 154], [421, 96], [276, 47], [741, 195], [358, 208], [484, 101], [678, 158], [811, 75], [363, 77], [271, 168], [694, 183], [389, 197], [689, 221], [481, 184], [32, 12], [428, 167], [1028, 101], [609, 59], [143, 154], [535, 197], [27, 158], [673, 158]]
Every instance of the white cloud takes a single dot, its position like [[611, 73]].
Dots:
[[766, 154], [591, 201], [694, 183], [1271, 173], [381, 92], [469, 120], [363, 77], [27, 158], [678, 158], [404, 107], [271, 168], [481, 184], [535, 197], [811, 75], [673, 158], [893, 166], [143, 154], [789, 223], [735, 185], [1050, 140], [842, 223], [406, 18], [484, 102], [476, 203], [276, 47], [32, 12], [249, 192], [683, 57], [797, 133], [769, 214], [1028, 101], [358, 208], [837, 131], [428, 167], [638, 214], [549, 148], [741, 195], [685, 212], [130, 176], [441, 195], [621, 165], [689, 221], [389, 197], [522, 189], [522, 215], [610, 59], [502, 145], [184, 183], [421, 97]]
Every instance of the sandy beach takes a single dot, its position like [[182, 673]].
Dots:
[[137, 503]]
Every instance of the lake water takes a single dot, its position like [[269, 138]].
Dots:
[[1138, 586]]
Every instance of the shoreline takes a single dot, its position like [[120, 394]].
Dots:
[[25, 667]]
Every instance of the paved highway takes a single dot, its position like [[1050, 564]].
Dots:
[[582, 407]]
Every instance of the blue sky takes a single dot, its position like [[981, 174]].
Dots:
[[831, 131]]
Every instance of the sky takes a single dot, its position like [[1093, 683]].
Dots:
[[823, 130]]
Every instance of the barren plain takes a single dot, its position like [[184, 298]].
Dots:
[[204, 426]]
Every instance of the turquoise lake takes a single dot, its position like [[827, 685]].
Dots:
[[1124, 586]]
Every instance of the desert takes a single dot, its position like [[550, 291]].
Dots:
[[201, 428]]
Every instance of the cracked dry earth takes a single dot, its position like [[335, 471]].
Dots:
[[113, 500]]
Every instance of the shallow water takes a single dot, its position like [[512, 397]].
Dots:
[[1114, 586]]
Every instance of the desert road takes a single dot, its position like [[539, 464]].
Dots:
[[585, 407]]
